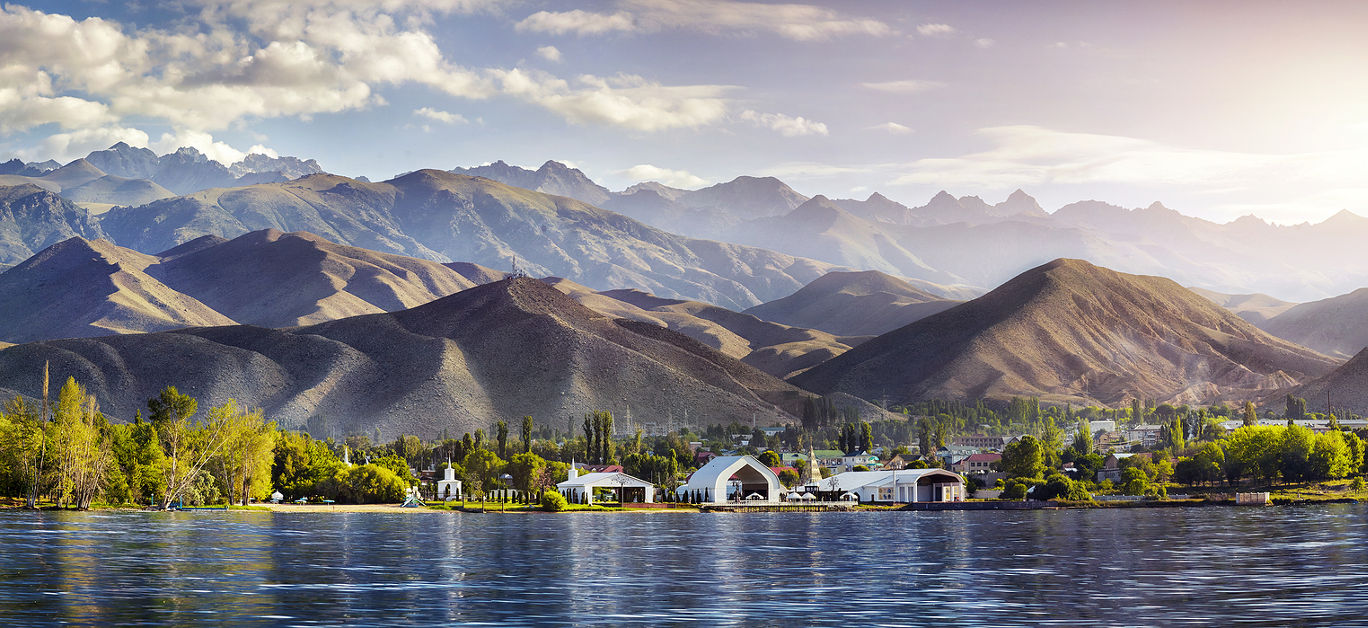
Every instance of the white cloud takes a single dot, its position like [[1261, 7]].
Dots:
[[892, 127], [204, 143], [936, 30], [911, 86], [984, 42], [550, 53], [440, 116], [672, 178], [625, 100], [67, 146], [802, 22], [788, 126], [576, 22]]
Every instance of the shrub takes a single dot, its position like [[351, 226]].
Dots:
[[551, 501]]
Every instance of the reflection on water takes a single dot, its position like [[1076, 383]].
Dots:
[[1158, 566]]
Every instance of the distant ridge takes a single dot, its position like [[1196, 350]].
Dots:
[[865, 303]]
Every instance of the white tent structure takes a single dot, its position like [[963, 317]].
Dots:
[[714, 483], [577, 486], [899, 487]]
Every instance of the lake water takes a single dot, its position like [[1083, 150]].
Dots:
[[1206, 566]]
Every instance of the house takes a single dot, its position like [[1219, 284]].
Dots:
[[703, 457], [1111, 466], [977, 464], [732, 477], [897, 463], [580, 488], [598, 468], [1145, 434], [898, 487], [848, 462], [979, 441]]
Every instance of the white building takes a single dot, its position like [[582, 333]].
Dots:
[[726, 476], [448, 488], [632, 489], [901, 487]]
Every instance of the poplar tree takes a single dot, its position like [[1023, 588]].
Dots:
[[527, 433]]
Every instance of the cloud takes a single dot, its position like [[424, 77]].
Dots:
[[625, 100], [788, 126], [550, 53], [936, 30], [440, 116], [984, 42], [204, 143], [67, 146], [911, 86], [801, 22], [672, 178], [576, 22], [892, 127], [1035, 156]]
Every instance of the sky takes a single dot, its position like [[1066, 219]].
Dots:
[[1217, 109]]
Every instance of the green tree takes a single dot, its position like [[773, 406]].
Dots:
[[527, 433], [788, 478], [1250, 416], [501, 437], [1296, 408], [866, 437], [770, 459], [1330, 457], [1083, 442], [1253, 451], [370, 484], [482, 469], [551, 501], [525, 468], [1023, 458], [1297, 443]]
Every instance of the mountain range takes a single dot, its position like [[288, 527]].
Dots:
[[1070, 331], [504, 349]]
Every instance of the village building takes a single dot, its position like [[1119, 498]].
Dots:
[[848, 462], [579, 489], [979, 441], [1111, 467], [733, 477], [978, 464], [899, 487], [448, 488]]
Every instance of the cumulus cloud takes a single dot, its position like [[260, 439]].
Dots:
[[788, 126], [261, 59], [627, 101], [550, 53], [438, 115], [893, 127], [936, 30], [204, 143], [802, 22], [672, 178], [910, 86]]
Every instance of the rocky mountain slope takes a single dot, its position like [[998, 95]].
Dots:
[[1071, 331], [501, 350], [1336, 326], [865, 303]]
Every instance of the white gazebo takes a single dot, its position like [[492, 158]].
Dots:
[[714, 483], [448, 488], [577, 486], [900, 487]]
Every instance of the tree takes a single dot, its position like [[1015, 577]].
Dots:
[[243, 464], [370, 484], [482, 470], [1296, 408], [501, 437], [1023, 458], [1137, 411], [769, 458], [1330, 456], [1083, 442], [1297, 443], [866, 437], [788, 478], [1253, 451], [1250, 416], [551, 501], [527, 433], [79, 447], [525, 469]]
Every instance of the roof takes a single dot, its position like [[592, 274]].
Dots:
[[720, 469], [852, 480], [984, 457], [603, 479]]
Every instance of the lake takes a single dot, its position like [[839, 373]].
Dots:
[[1206, 566]]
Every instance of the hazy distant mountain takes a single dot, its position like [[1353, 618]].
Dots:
[[18, 167], [1336, 326], [746, 197], [552, 177], [1255, 308], [878, 208], [32, 219], [866, 303], [497, 351], [1345, 388], [443, 216], [80, 288], [1071, 331], [779, 350], [187, 170]]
